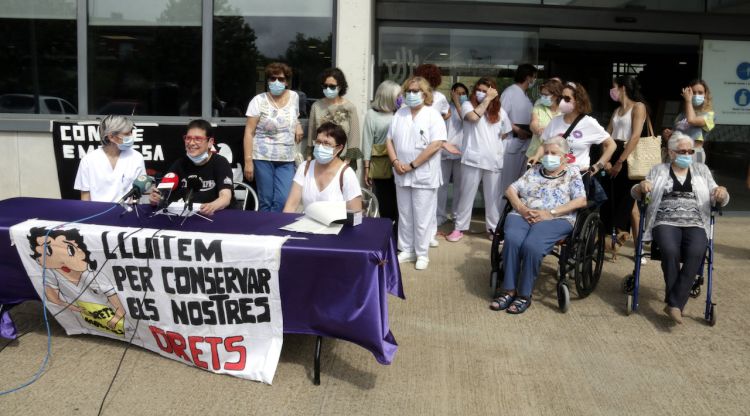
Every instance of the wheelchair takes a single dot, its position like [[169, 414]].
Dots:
[[580, 255], [631, 282]]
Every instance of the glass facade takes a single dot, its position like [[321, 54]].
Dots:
[[145, 57], [39, 73]]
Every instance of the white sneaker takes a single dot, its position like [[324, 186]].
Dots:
[[434, 242], [422, 262], [404, 257]]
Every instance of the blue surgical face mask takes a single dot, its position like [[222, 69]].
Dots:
[[683, 161], [127, 143], [323, 154], [545, 100], [331, 94], [413, 99], [698, 100], [463, 98], [198, 159], [551, 162], [276, 87], [480, 96]]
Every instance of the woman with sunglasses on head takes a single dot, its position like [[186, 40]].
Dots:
[[485, 127], [625, 127], [416, 135], [107, 173], [574, 104], [697, 117], [678, 215], [271, 132], [327, 178], [334, 108]]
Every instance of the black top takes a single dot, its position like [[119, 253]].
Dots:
[[216, 174]]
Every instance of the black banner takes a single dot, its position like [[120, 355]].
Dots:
[[160, 145]]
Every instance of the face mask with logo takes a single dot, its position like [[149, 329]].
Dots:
[[566, 107], [698, 100], [276, 87], [614, 94], [331, 93], [481, 96], [683, 161], [551, 162], [545, 100], [463, 98], [413, 99], [323, 154], [127, 143], [198, 159]]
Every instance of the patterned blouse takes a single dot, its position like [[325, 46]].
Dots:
[[345, 115], [538, 191], [274, 135], [679, 207]]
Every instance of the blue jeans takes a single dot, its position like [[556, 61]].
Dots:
[[273, 180], [525, 247]]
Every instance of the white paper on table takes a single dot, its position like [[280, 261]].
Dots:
[[178, 208], [318, 218]]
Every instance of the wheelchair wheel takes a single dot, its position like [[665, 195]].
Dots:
[[712, 315], [628, 304], [695, 291], [589, 255], [628, 284], [563, 297]]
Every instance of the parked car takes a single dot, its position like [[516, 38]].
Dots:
[[25, 103]]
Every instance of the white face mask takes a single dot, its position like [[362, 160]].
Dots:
[[481, 95]]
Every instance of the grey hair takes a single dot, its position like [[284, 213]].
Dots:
[[560, 142], [385, 97], [114, 124], [676, 138]]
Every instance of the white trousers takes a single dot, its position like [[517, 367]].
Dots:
[[449, 167], [416, 218], [514, 166], [470, 178]]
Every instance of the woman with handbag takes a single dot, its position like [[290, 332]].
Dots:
[[378, 170], [625, 127]]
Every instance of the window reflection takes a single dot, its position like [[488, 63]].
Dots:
[[39, 72], [145, 57], [250, 34]]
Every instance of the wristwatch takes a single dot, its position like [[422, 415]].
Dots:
[[553, 212]]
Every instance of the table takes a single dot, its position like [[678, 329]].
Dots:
[[331, 286]]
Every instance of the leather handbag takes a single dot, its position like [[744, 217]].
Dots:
[[646, 155], [380, 164]]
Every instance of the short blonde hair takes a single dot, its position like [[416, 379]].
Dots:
[[424, 86]]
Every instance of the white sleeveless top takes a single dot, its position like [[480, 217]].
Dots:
[[622, 126]]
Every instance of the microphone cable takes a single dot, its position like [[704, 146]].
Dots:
[[42, 368], [130, 342]]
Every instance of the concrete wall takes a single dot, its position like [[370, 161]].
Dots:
[[28, 165]]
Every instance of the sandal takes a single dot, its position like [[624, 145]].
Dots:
[[502, 302], [520, 305]]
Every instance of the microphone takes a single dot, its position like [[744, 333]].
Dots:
[[141, 184], [169, 183], [193, 184]]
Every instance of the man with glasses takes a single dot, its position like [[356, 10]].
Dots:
[[211, 169]]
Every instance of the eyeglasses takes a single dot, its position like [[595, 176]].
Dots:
[[197, 139], [414, 91], [274, 79], [566, 98], [331, 87], [318, 142], [684, 151]]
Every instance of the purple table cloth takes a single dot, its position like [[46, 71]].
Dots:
[[331, 285]]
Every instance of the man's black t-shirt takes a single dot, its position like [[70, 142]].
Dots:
[[216, 174]]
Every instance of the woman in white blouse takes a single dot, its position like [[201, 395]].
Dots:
[[416, 134], [327, 177]]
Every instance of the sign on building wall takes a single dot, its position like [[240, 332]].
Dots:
[[726, 69], [160, 145]]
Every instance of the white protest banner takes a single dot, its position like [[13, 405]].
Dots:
[[208, 300]]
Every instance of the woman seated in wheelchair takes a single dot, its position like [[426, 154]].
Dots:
[[327, 177], [544, 200], [677, 217]]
